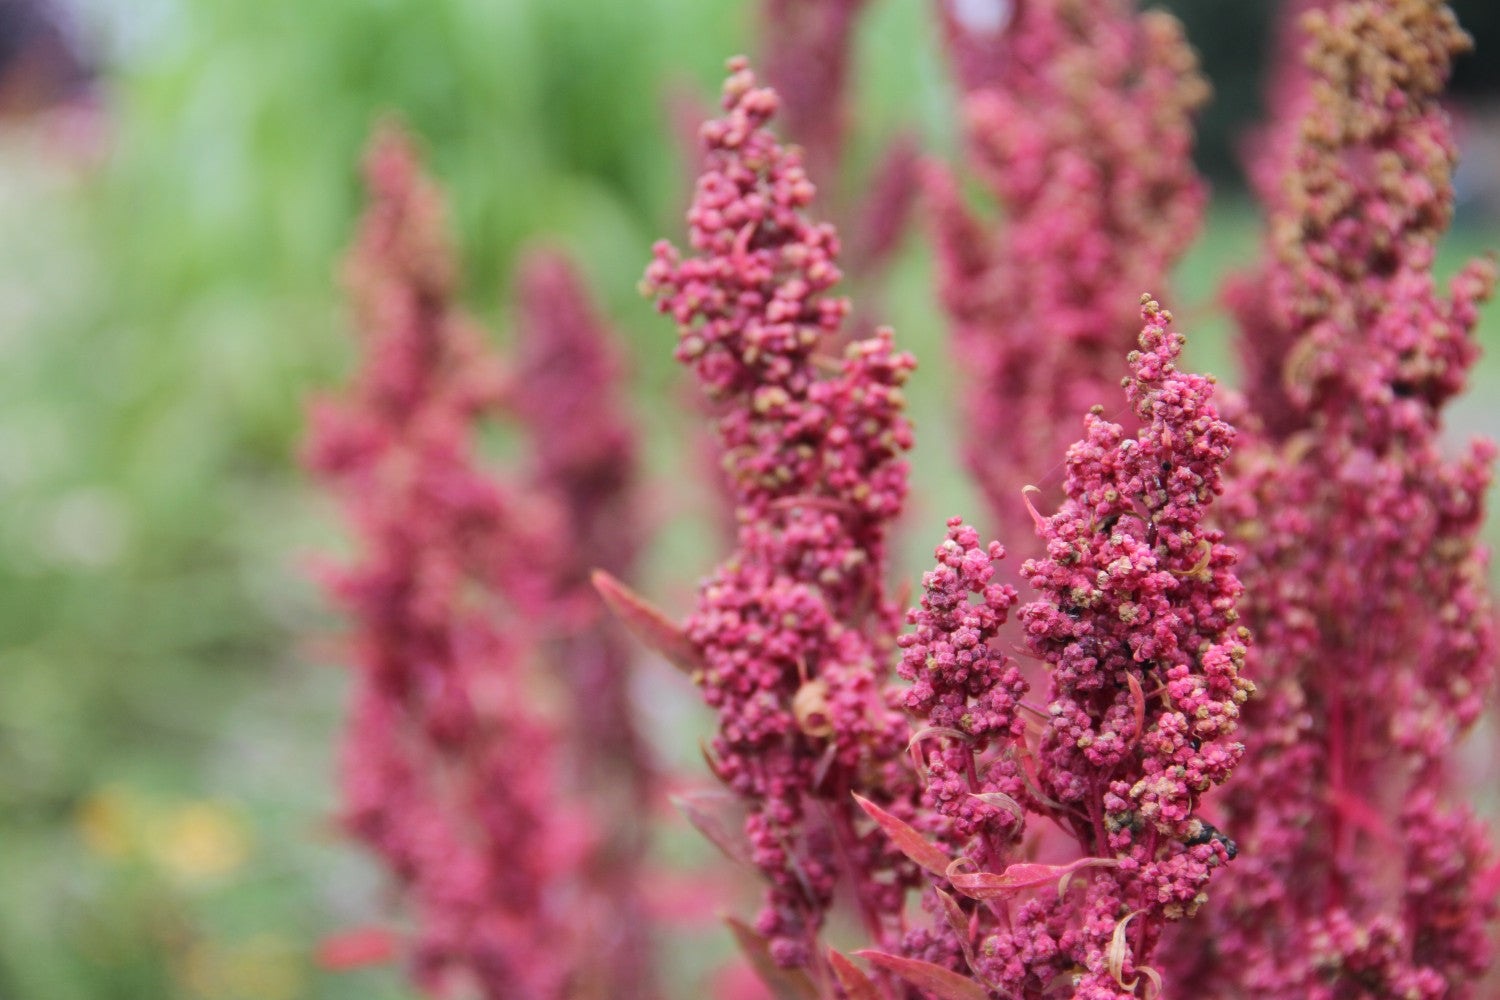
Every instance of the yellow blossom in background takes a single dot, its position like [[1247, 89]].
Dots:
[[199, 841], [105, 821]]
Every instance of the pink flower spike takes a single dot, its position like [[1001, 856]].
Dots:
[[1135, 619], [1079, 126], [1360, 528], [794, 629], [450, 775]]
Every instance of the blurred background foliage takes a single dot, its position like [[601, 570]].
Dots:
[[169, 243]]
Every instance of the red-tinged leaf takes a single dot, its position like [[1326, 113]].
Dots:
[[1138, 706], [720, 818], [955, 914], [356, 948], [1028, 766], [711, 762], [907, 840], [940, 982], [648, 623], [1023, 875], [854, 982], [784, 984], [959, 923]]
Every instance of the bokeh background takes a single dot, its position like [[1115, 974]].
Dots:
[[177, 182]]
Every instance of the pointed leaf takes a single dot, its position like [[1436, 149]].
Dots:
[[940, 982], [714, 767], [648, 623], [1023, 875], [854, 982], [955, 914], [1115, 953], [959, 923], [719, 817], [357, 948], [1137, 706], [1155, 979], [784, 984], [1028, 765], [907, 840]]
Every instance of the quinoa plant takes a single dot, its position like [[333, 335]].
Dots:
[[1199, 742], [461, 585], [1079, 126], [1364, 873]]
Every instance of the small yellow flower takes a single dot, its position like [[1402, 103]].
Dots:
[[103, 820], [200, 841]]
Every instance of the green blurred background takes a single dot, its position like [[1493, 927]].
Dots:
[[168, 249]]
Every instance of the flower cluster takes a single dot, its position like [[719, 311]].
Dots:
[[452, 774], [1136, 622], [1267, 157], [1134, 583], [965, 689], [948, 658], [791, 633], [807, 47], [1064, 778], [808, 44], [1364, 574], [447, 775], [1079, 124], [565, 391]]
